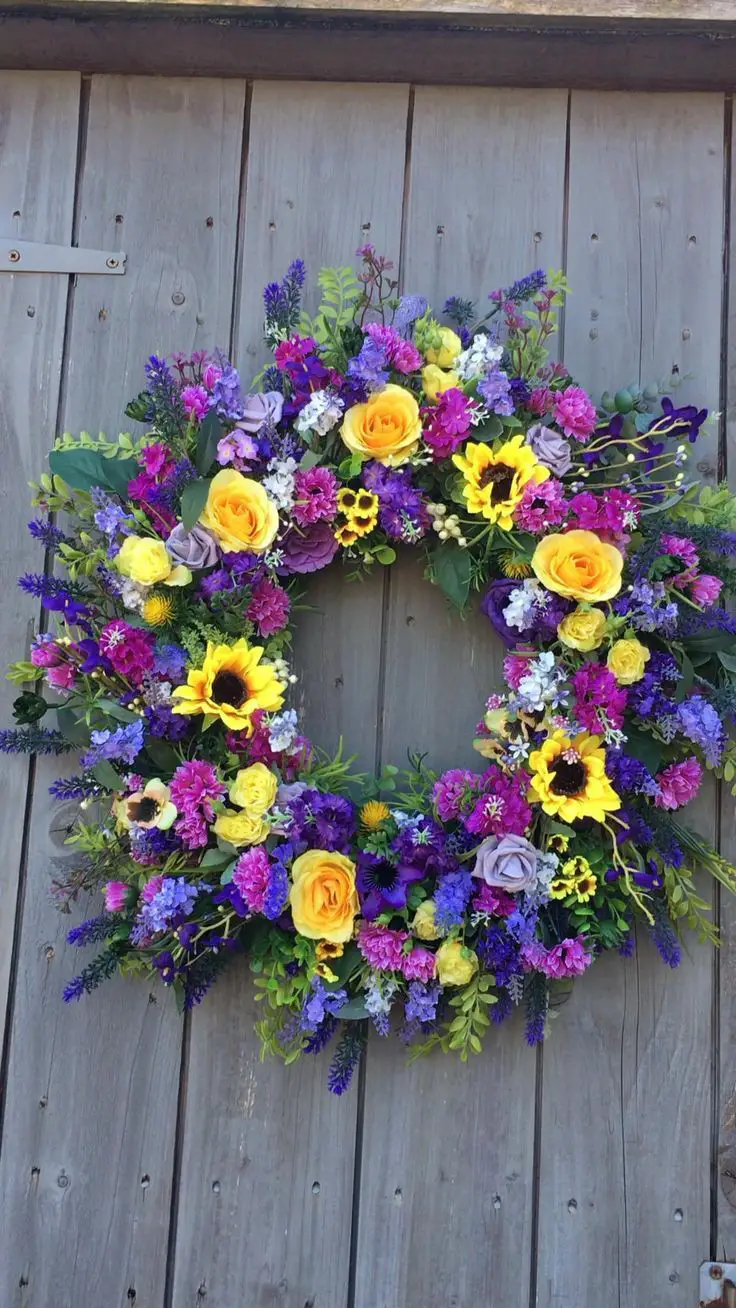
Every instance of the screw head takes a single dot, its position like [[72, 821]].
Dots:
[[14, 256], [112, 263]]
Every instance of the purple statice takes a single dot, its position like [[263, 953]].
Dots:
[[520, 391], [110, 517], [346, 1058], [164, 724], [522, 923], [323, 821], [226, 393], [83, 787], [50, 536], [282, 302], [100, 969], [92, 930], [628, 775], [693, 622], [663, 934], [169, 662], [699, 722], [523, 289], [122, 745], [171, 904], [383, 885], [495, 391], [167, 493], [503, 1008], [421, 1002], [499, 953], [33, 740], [451, 897], [319, 1003], [370, 366], [649, 608], [627, 948], [402, 513], [217, 581]]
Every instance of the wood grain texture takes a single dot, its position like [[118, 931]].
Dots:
[[87, 1163], [296, 1141], [703, 11], [38, 147], [627, 1071], [442, 1132]]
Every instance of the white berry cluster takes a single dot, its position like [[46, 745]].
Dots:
[[447, 525]]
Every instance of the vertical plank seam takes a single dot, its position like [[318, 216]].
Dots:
[[181, 1102], [42, 622], [539, 1065], [722, 470]]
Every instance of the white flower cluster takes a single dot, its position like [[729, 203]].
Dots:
[[542, 684], [282, 731], [519, 612], [481, 355], [279, 482], [321, 414]]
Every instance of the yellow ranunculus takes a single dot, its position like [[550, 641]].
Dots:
[[144, 559], [239, 513], [569, 778], [423, 924], [323, 897], [579, 565], [495, 480], [231, 684], [241, 828], [447, 352], [627, 660], [435, 381], [254, 789], [386, 428], [583, 630], [456, 964]]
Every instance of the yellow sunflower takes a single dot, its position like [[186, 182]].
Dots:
[[231, 685], [569, 778], [494, 482]]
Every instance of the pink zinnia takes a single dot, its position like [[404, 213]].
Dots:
[[268, 607], [542, 506], [195, 786], [116, 896], [252, 876], [453, 792], [705, 589], [678, 784], [419, 965], [381, 947], [195, 401], [575, 413], [315, 496], [130, 650], [447, 423]]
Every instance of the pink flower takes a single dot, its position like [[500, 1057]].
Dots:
[[315, 496], [151, 888], [569, 958], [268, 607], [116, 896], [599, 701], [540, 401], [192, 830], [447, 423], [238, 448], [252, 876], [502, 810], [705, 589], [419, 965], [381, 947], [401, 354], [46, 653], [575, 413], [494, 902], [294, 351], [609, 515], [195, 401], [195, 787], [516, 666], [454, 792], [156, 459], [542, 506], [211, 373], [61, 677], [130, 650], [681, 547], [678, 784]]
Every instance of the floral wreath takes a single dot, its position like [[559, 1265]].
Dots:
[[435, 903]]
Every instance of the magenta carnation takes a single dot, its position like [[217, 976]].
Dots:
[[151, 888], [575, 413], [494, 902], [195, 401], [453, 791], [419, 965], [678, 783], [156, 459], [516, 666], [447, 423], [130, 650], [705, 589], [609, 514], [680, 547], [195, 787], [315, 496], [600, 702], [542, 506], [539, 401], [569, 958], [381, 947], [268, 608], [252, 876], [116, 896], [502, 809], [401, 354]]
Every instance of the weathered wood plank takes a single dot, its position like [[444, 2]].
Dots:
[[625, 1152], [38, 146], [280, 1231], [91, 1110], [440, 1133], [704, 11]]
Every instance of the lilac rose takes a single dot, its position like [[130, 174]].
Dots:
[[509, 864], [307, 550], [196, 549], [551, 449], [260, 409]]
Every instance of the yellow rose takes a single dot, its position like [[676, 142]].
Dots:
[[239, 513], [627, 660], [241, 828], [423, 925], [435, 381], [254, 789], [323, 897], [456, 964], [583, 630], [579, 565], [386, 428], [143, 559], [448, 351]]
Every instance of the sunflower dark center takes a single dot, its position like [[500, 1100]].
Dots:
[[500, 476], [568, 778], [227, 688], [142, 810]]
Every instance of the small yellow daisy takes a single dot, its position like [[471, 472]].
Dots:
[[374, 814], [158, 610]]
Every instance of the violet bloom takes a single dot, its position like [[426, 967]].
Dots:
[[493, 604], [315, 496], [551, 449], [309, 550], [383, 886]]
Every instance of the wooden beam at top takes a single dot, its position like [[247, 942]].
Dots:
[[665, 11]]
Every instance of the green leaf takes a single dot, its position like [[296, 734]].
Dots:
[[451, 572], [108, 776], [385, 555], [114, 710], [162, 754], [344, 966], [29, 707], [71, 728], [645, 748], [193, 500], [82, 469], [490, 430], [210, 432], [214, 858], [728, 661], [353, 1011], [349, 468], [227, 875], [684, 685], [309, 460]]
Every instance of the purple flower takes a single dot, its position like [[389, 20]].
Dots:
[[551, 449], [308, 550], [323, 821], [370, 366], [122, 745], [700, 723], [493, 604], [451, 897], [169, 662], [495, 390], [383, 886], [320, 1003], [421, 1002], [170, 904], [226, 393], [195, 549]]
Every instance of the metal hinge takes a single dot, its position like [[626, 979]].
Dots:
[[34, 257], [718, 1285]]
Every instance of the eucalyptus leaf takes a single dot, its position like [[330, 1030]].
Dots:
[[193, 500], [728, 661], [353, 1011], [209, 435], [309, 460]]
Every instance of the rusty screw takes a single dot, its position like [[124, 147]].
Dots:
[[716, 1272]]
